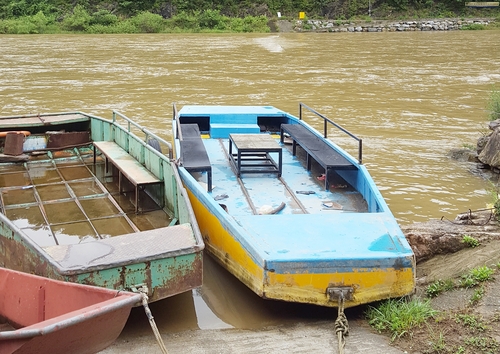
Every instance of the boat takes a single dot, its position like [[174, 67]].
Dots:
[[286, 210], [96, 201], [41, 315]]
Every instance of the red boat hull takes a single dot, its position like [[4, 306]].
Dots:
[[59, 317]]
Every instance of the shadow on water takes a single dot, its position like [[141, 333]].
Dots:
[[224, 302]]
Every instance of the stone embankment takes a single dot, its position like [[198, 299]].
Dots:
[[380, 26]]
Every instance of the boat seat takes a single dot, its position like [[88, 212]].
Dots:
[[317, 148], [127, 166], [194, 157]]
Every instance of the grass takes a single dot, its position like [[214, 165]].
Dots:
[[483, 344], [493, 105], [399, 316], [476, 276], [470, 241], [477, 295], [472, 322], [438, 287]]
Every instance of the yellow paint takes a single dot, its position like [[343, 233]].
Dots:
[[222, 244], [368, 285]]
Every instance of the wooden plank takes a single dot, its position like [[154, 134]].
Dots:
[[127, 166], [40, 120], [136, 173], [482, 4]]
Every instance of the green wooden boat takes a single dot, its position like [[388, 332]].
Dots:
[[95, 201]]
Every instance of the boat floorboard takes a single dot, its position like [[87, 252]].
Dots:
[[266, 190], [63, 198]]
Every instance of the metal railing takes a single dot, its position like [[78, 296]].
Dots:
[[147, 133], [175, 116], [325, 129]]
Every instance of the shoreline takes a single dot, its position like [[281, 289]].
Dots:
[[331, 26]]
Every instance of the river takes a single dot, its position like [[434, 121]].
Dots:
[[410, 96]]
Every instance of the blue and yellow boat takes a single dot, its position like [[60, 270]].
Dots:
[[286, 210]]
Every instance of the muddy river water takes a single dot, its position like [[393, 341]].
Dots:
[[410, 96]]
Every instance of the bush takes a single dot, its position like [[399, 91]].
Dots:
[[25, 25], [79, 20], [147, 22], [249, 24], [183, 20], [104, 18], [210, 19]]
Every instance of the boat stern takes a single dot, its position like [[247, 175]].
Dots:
[[355, 285]]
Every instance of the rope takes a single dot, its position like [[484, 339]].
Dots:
[[341, 325], [152, 321], [469, 218]]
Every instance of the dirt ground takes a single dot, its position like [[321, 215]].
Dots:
[[462, 325]]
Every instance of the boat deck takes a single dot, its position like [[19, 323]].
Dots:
[[301, 192], [62, 198]]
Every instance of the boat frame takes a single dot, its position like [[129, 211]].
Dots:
[[249, 246], [161, 262]]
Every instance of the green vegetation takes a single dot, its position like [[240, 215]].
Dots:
[[493, 105], [399, 317], [413, 324], [495, 200], [477, 295], [471, 321], [103, 21], [469, 280], [153, 16], [438, 287], [483, 344], [470, 241], [476, 276]]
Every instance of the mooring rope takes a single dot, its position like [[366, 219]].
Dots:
[[152, 323], [469, 217], [341, 325]]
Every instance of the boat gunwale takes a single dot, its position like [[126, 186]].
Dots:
[[121, 300], [63, 271], [229, 239]]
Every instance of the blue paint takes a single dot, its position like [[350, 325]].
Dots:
[[328, 231]]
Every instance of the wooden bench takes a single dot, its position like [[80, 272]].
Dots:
[[194, 157], [127, 166], [317, 148]]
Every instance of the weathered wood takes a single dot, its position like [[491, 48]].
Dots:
[[127, 166], [482, 4], [11, 158]]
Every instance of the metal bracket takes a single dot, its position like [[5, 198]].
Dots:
[[140, 288], [335, 293]]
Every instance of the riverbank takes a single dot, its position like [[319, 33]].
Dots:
[[316, 333], [449, 24]]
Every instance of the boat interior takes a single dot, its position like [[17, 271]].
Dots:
[[296, 191], [302, 192], [63, 197]]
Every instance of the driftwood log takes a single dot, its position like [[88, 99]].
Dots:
[[437, 237]]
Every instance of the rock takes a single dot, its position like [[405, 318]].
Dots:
[[481, 142], [464, 155], [494, 124], [438, 237], [490, 154]]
